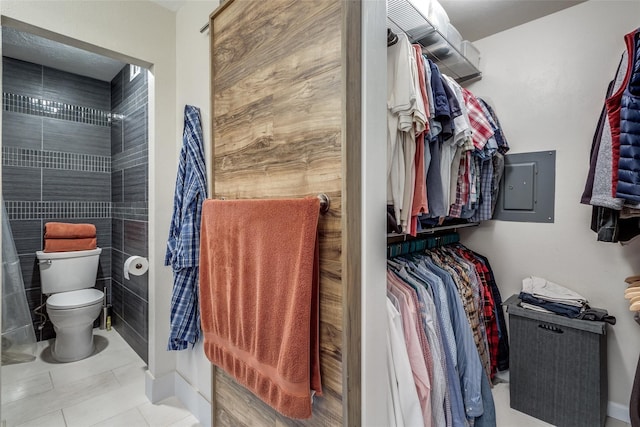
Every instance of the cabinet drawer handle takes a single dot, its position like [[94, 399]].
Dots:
[[550, 328]]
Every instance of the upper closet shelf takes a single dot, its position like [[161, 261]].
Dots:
[[402, 16]]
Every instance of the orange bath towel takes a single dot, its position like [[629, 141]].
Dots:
[[63, 230], [68, 245], [259, 297]]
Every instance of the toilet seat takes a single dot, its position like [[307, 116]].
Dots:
[[74, 299]]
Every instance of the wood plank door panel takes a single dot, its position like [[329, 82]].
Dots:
[[278, 111]]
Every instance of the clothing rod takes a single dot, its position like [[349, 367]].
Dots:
[[204, 28]]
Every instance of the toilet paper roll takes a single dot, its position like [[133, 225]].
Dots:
[[135, 265]]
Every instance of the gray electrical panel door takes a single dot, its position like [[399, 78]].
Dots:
[[527, 189]]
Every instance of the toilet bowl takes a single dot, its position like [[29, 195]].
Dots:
[[72, 303], [72, 314]]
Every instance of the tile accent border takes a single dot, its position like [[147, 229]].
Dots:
[[136, 211], [57, 110], [24, 157], [23, 210]]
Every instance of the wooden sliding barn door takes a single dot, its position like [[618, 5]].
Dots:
[[286, 123]]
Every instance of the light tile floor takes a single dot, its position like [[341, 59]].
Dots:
[[507, 417], [106, 389]]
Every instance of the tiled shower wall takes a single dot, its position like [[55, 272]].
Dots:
[[129, 196], [64, 160], [56, 163]]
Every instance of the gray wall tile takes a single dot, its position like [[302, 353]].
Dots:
[[136, 313], [104, 266], [20, 183], [117, 234], [21, 130], [103, 229], [30, 271], [71, 88], [135, 184], [116, 135], [27, 235], [46, 333], [73, 185], [117, 88], [21, 78], [136, 236], [73, 137], [137, 284], [137, 342], [117, 261], [34, 298], [135, 129], [117, 192], [117, 302], [137, 156]]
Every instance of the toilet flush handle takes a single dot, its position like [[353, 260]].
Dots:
[[46, 261]]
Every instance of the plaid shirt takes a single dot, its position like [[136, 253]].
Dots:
[[462, 187], [484, 210], [466, 293], [488, 307], [481, 129], [501, 139], [183, 245]]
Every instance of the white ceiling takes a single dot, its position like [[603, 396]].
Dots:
[[477, 19], [474, 19]]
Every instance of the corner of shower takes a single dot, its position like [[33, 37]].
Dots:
[[18, 336]]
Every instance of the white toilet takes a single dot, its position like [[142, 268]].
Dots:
[[73, 304]]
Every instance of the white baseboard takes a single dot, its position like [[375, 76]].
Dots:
[[158, 389], [173, 384], [195, 402], [618, 411]]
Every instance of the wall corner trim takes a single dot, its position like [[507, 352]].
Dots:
[[193, 400], [160, 388]]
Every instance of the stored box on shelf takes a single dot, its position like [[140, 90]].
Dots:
[[557, 367], [470, 52], [454, 37]]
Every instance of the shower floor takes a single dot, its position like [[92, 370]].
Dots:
[[105, 389]]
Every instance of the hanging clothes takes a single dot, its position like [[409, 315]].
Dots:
[[183, 245], [612, 182], [456, 309], [441, 148]]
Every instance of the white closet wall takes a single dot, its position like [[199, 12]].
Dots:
[[547, 80]]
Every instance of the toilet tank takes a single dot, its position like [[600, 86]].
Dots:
[[68, 271]]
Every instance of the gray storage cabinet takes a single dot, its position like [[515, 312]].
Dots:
[[558, 367]]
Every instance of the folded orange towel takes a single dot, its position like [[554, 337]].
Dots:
[[68, 245], [259, 297], [63, 230]]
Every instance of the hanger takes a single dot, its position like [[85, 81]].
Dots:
[[392, 38], [395, 265], [634, 285], [631, 292], [632, 279], [635, 306]]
